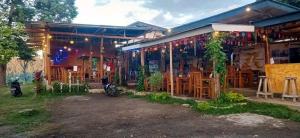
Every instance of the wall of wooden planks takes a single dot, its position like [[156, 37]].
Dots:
[[278, 72]]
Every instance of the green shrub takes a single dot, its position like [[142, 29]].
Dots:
[[231, 97], [203, 106], [65, 88], [56, 87], [159, 96], [140, 80], [155, 80]]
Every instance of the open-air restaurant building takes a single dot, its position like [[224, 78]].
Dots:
[[263, 50]]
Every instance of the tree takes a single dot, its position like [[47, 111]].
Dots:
[[55, 10], [14, 12], [214, 52], [291, 2], [9, 37], [26, 55]]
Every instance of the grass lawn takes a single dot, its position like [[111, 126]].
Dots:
[[227, 105], [10, 108]]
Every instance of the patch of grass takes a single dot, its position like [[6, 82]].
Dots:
[[227, 103], [10, 107], [235, 103]]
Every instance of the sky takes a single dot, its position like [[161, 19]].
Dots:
[[164, 13]]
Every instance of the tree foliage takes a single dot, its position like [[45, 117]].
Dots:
[[10, 37], [214, 52], [140, 80], [38, 10], [55, 10]]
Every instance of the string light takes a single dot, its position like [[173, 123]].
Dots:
[[69, 49], [72, 42], [248, 9], [86, 39], [49, 37], [65, 47]]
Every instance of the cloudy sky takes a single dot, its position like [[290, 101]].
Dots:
[[165, 13]]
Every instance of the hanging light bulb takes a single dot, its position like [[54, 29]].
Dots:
[[72, 42], [49, 37], [69, 49], [86, 39], [65, 47]]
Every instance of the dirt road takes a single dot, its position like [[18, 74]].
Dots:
[[99, 116]]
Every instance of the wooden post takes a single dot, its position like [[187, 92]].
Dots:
[[70, 81], [120, 69], [142, 58], [171, 69], [267, 50], [90, 63], [195, 46], [47, 58], [101, 59]]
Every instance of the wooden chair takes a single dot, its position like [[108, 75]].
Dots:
[[191, 85], [202, 86], [169, 84], [232, 77]]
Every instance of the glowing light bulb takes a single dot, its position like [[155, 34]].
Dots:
[[72, 42], [86, 39], [248, 9]]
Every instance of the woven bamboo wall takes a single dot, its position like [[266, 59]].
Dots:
[[278, 72]]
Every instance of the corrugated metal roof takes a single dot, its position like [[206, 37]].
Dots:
[[291, 17], [223, 16]]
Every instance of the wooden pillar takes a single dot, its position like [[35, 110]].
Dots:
[[47, 59], [120, 69], [171, 69], [267, 50], [90, 63], [101, 58], [142, 58], [195, 46]]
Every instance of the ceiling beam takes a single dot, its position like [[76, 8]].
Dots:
[[93, 35]]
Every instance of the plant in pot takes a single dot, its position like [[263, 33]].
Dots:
[[155, 81]]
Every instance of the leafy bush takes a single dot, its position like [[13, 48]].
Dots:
[[140, 80], [56, 87], [231, 98], [203, 106], [65, 88], [155, 80], [159, 96]]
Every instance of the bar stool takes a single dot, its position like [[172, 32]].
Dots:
[[264, 83], [290, 88]]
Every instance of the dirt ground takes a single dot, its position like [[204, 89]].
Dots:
[[99, 116]]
